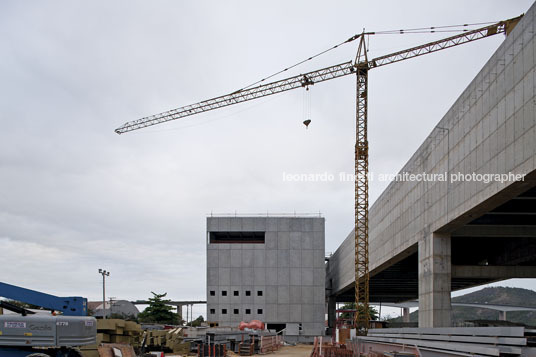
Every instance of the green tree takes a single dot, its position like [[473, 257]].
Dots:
[[373, 313], [197, 322], [158, 311]]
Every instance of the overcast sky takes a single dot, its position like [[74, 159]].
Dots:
[[76, 197]]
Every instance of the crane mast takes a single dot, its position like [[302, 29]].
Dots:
[[361, 318], [360, 67]]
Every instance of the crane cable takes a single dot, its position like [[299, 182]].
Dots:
[[303, 61], [432, 29]]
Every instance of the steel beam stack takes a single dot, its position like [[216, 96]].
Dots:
[[456, 341]]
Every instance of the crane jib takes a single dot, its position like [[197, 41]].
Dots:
[[304, 80], [243, 95]]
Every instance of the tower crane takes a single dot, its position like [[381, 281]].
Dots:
[[360, 68]]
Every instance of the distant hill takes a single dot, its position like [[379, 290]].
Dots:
[[492, 295], [500, 296]]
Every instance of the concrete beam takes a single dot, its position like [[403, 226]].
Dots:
[[493, 272], [495, 231]]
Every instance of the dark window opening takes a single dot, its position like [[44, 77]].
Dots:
[[259, 311], [259, 292], [236, 293], [236, 237], [212, 293], [276, 327], [248, 293], [224, 311], [224, 293], [248, 311], [235, 311], [212, 311]]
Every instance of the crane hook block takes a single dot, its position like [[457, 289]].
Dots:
[[306, 123]]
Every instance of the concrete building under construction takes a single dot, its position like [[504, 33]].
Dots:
[[270, 269]]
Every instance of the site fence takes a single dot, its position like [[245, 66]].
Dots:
[[211, 350], [270, 343], [330, 350]]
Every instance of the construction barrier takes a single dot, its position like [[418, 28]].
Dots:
[[211, 350], [247, 349], [270, 343], [329, 349], [332, 351]]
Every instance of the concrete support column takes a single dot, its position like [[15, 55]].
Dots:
[[434, 281], [405, 314], [332, 307], [502, 315], [179, 311]]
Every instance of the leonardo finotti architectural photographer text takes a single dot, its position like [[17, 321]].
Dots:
[[406, 177]]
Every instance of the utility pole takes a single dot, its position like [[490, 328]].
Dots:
[[112, 299], [104, 274]]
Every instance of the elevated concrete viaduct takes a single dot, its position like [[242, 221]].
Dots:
[[429, 237]]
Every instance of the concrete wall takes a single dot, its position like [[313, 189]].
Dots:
[[489, 129], [289, 269], [340, 270]]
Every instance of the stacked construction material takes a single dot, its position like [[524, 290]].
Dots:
[[156, 339], [168, 340], [118, 331], [90, 351], [482, 341], [134, 331], [175, 341], [113, 349], [114, 331]]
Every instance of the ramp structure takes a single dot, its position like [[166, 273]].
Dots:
[[470, 219]]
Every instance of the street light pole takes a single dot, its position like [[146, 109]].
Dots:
[[104, 275]]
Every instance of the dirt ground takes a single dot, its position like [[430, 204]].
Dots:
[[293, 351], [285, 351]]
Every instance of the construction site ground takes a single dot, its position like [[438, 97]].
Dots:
[[286, 351], [295, 351]]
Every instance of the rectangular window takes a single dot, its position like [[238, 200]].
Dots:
[[236, 237], [212, 311], [259, 292], [224, 293], [212, 293], [235, 311], [259, 311], [248, 293], [224, 311], [235, 293], [248, 311]]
